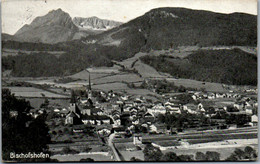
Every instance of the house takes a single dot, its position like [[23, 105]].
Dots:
[[104, 130], [135, 121], [202, 107], [158, 108], [133, 110], [254, 120], [249, 110], [211, 96], [239, 105], [84, 110], [95, 120], [124, 98], [63, 112], [105, 120], [232, 126], [173, 108], [97, 111], [73, 119], [168, 103], [158, 128], [194, 97], [56, 110], [88, 120], [129, 103], [148, 117], [210, 111], [126, 108], [137, 139], [117, 121], [219, 95], [191, 108]]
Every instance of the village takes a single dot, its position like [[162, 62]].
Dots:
[[107, 125]]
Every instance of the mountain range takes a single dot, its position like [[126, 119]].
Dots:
[[164, 28], [158, 29], [57, 26]]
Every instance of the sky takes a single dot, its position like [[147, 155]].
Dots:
[[17, 13]]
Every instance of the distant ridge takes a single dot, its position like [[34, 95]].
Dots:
[[95, 23]]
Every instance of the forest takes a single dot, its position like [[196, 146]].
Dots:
[[222, 66]]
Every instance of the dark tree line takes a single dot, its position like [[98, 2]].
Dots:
[[21, 133], [152, 153]]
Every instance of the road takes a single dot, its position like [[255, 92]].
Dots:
[[111, 144]]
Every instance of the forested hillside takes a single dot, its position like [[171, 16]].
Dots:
[[223, 66]]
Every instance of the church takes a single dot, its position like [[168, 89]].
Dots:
[[77, 109]]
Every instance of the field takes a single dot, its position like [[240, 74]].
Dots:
[[78, 157], [213, 87], [36, 102], [128, 150], [128, 62], [13, 52], [130, 78], [113, 78], [33, 92], [225, 148], [147, 71], [127, 155], [111, 86]]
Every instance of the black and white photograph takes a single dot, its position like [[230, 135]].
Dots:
[[129, 81]]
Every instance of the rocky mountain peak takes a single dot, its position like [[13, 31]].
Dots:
[[95, 23]]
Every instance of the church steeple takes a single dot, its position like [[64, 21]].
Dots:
[[73, 102], [73, 97], [89, 87], [89, 83]]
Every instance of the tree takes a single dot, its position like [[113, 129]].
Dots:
[[212, 156], [170, 156], [186, 157], [68, 150], [232, 158], [239, 155], [161, 118], [135, 159], [87, 160], [152, 153], [200, 156], [45, 104], [86, 149], [250, 153], [22, 134]]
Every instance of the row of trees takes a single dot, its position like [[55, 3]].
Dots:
[[182, 120], [152, 153]]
